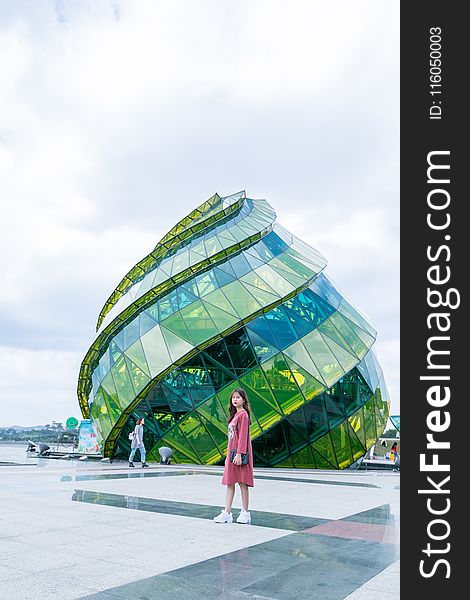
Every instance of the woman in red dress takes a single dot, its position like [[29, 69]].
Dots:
[[239, 443]]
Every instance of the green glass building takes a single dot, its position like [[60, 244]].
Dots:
[[229, 298]]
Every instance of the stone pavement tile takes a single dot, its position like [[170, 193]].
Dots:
[[381, 515], [226, 576], [69, 582], [325, 579], [394, 567], [386, 534], [12, 546], [7, 573], [354, 552], [10, 529], [37, 560], [259, 557], [53, 539], [168, 587], [386, 581], [45, 587], [364, 593]]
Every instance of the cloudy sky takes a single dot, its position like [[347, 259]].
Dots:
[[118, 117]]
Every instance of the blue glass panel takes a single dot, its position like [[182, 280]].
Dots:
[[240, 265], [218, 355], [260, 327], [146, 323], [222, 277], [323, 288], [240, 350], [275, 244], [264, 252], [283, 332], [185, 297], [316, 309], [262, 348], [301, 325]]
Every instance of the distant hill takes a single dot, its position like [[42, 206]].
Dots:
[[21, 428]]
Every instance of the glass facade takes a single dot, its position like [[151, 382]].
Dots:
[[229, 298]]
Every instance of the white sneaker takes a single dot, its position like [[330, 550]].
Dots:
[[244, 517], [224, 517]]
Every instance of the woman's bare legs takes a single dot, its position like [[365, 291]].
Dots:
[[229, 497], [245, 495]]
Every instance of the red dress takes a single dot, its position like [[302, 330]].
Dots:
[[239, 439]]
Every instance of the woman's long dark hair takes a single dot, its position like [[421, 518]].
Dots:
[[139, 421], [246, 404]]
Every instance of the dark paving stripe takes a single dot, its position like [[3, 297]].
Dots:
[[134, 475], [380, 515], [294, 567], [200, 511]]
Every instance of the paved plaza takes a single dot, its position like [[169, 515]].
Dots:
[[71, 529]]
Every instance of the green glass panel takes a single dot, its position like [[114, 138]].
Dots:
[[124, 389], [348, 332], [206, 283], [137, 356], [109, 386], [274, 280], [176, 324], [324, 447], [212, 410], [114, 410], [340, 439], [295, 431], [130, 333], [197, 436], [357, 448], [315, 418], [366, 332], [254, 280], [346, 360], [356, 421], [257, 382], [155, 351], [309, 386], [101, 417], [321, 462], [296, 266], [303, 459], [198, 322], [264, 298], [219, 300], [218, 437], [175, 439], [325, 361], [177, 347], [380, 425], [369, 422], [242, 301], [222, 319], [138, 378], [330, 332], [293, 278], [265, 414], [298, 353], [283, 384]]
